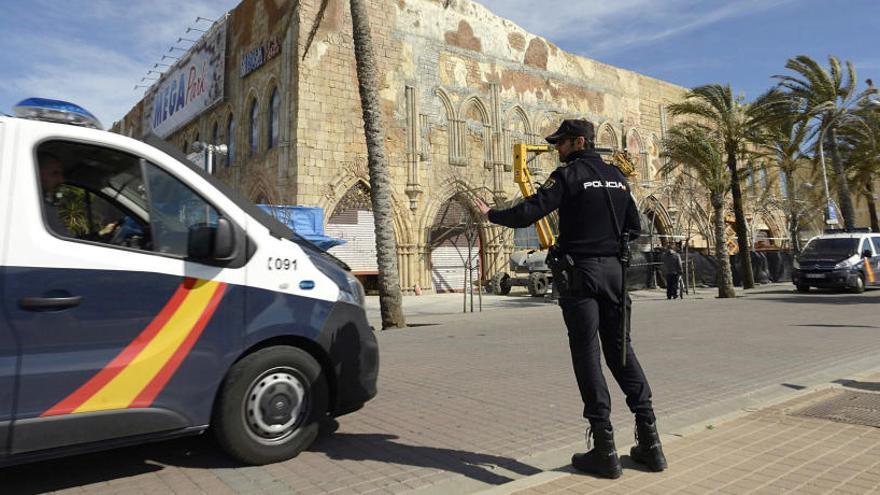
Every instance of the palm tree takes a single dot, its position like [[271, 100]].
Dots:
[[390, 298], [701, 154], [829, 98], [861, 143], [781, 140], [731, 121]]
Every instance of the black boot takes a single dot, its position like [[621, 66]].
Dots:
[[601, 460], [648, 450]]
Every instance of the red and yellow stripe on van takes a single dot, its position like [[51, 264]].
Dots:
[[869, 271], [140, 371]]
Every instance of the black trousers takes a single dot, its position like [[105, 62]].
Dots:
[[672, 285], [592, 317]]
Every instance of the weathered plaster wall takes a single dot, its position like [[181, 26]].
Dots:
[[459, 86]]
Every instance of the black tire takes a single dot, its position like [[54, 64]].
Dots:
[[537, 284], [500, 284], [803, 288], [860, 285], [297, 386]]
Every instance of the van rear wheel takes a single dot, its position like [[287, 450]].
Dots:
[[270, 405]]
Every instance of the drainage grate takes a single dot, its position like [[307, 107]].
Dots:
[[855, 408]]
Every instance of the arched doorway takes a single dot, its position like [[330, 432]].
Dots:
[[352, 220], [455, 246], [655, 231]]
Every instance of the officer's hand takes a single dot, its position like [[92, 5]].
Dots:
[[482, 206]]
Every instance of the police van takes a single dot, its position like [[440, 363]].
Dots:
[[839, 259], [141, 300]]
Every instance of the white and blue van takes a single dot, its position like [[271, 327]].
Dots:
[[142, 300]]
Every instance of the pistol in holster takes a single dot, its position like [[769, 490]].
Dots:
[[565, 275]]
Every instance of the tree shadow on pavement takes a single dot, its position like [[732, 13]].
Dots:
[[827, 325], [383, 448], [869, 386], [850, 299]]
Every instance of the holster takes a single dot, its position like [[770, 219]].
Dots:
[[566, 277]]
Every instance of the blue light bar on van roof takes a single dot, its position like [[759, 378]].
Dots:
[[62, 112]]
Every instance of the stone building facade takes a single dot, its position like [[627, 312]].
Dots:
[[459, 87]]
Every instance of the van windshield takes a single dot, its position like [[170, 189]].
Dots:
[[830, 248]]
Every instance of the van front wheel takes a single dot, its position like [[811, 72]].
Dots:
[[270, 405]]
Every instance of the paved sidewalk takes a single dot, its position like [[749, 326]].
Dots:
[[428, 307], [774, 450]]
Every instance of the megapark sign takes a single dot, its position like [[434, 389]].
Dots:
[[191, 86]]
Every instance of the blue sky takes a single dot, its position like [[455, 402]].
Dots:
[[93, 52]]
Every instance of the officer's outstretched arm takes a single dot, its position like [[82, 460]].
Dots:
[[539, 205]]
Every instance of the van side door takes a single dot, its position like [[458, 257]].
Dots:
[[121, 333]]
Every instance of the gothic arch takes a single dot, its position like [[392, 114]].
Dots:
[[246, 123], [446, 102], [472, 135], [638, 153], [337, 191], [479, 105], [261, 188], [702, 223], [451, 188], [606, 136], [654, 161], [656, 212], [518, 113]]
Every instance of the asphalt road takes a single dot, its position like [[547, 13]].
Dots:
[[471, 401]]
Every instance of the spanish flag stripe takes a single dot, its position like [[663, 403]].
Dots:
[[870, 271], [111, 370], [128, 384], [148, 394]]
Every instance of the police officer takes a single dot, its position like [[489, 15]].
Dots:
[[591, 303]]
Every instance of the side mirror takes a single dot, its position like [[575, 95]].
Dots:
[[209, 242], [866, 253]]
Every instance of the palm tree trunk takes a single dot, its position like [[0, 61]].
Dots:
[[843, 196], [725, 277], [742, 234], [793, 223], [390, 298], [872, 206]]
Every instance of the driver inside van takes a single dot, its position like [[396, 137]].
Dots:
[[123, 231], [51, 178]]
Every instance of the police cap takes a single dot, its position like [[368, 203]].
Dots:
[[572, 128]]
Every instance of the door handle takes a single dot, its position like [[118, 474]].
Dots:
[[49, 303]]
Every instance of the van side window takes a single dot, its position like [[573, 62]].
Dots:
[[174, 210], [876, 241], [866, 246], [93, 194]]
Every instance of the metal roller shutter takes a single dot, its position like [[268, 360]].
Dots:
[[358, 230], [448, 262]]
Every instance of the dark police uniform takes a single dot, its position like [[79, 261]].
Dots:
[[591, 310], [590, 288]]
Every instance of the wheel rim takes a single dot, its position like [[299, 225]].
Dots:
[[276, 404]]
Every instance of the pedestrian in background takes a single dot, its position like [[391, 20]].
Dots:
[[672, 270], [591, 197]]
